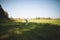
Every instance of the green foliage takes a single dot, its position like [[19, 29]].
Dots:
[[3, 15]]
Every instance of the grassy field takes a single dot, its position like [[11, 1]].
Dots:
[[35, 30], [52, 21]]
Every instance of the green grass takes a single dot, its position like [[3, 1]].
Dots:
[[35, 30], [52, 21]]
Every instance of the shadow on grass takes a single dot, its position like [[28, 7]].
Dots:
[[32, 31]]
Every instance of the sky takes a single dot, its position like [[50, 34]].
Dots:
[[31, 8]]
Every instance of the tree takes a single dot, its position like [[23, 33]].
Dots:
[[37, 17], [3, 15]]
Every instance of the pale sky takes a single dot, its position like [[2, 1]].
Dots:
[[31, 8]]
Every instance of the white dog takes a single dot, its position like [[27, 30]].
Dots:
[[26, 22]]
